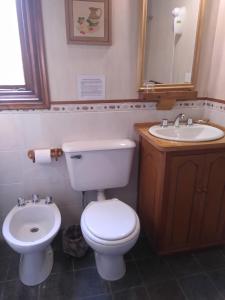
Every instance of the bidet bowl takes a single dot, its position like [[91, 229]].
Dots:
[[184, 133], [32, 227]]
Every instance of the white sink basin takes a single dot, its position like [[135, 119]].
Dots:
[[184, 133]]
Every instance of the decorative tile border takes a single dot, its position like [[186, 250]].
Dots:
[[190, 104], [104, 107], [108, 107], [122, 106], [211, 105], [132, 106]]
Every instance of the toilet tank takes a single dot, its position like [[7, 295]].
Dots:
[[99, 164]]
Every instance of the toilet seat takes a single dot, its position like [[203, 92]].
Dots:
[[110, 222]]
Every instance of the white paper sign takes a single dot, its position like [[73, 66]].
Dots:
[[91, 87]]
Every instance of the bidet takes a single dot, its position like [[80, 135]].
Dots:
[[29, 229]]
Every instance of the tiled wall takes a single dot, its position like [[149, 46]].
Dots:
[[21, 131], [215, 112]]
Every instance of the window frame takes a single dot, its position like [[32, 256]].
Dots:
[[35, 93]]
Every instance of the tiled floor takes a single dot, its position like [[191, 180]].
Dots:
[[194, 276]]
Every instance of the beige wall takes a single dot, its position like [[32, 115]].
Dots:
[[118, 62], [211, 80], [216, 86]]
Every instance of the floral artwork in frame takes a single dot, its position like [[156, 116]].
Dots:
[[88, 22]]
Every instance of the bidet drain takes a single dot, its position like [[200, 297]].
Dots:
[[34, 229]]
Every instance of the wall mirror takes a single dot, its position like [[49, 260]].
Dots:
[[169, 45]]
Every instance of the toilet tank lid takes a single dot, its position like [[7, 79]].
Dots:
[[95, 145]]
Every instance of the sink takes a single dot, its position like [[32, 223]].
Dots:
[[184, 133]]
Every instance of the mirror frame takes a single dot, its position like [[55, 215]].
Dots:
[[188, 87]]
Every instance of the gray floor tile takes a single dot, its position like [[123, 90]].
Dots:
[[136, 293], [211, 258], [143, 267], [5, 250], [58, 286], [130, 279], [142, 249], [199, 287], [223, 249], [13, 270], [88, 283], [62, 262], [100, 297], [166, 290], [183, 264], [4, 267], [15, 290], [57, 242], [218, 278], [84, 262], [154, 270], [1, 290], [128, 256]]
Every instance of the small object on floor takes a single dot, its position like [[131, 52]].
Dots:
[[74, 243]]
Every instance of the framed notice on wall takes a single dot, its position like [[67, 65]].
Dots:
[[88, 22], [91, 87]]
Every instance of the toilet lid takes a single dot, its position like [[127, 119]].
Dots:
[[110, 219]]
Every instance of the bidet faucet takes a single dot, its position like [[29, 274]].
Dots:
[[21, 201], [48, 200], [35, 198], [178, 119]]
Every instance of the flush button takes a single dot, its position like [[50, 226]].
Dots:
[[79, 156]]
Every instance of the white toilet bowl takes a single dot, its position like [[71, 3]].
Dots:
[[111, 228], [29, 230]]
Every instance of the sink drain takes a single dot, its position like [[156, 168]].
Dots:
[[34, 229]]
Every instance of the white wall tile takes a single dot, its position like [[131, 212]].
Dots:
[[215, 116], [43, 129], [8, 197], [11, 167], [11, 133]]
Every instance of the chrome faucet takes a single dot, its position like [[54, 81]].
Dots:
[[21, 201], [35, 198], [48, 200], [178, 119], [164, 123]]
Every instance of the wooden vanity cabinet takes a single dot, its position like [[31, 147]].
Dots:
[[182, 197]]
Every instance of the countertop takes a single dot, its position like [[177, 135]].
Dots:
[[169, 146]]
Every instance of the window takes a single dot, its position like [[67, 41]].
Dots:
[[23, 74]]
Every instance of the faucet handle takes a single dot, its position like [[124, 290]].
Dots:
[[189, 122], [21, 201], [164, 123], [35, 198], [48, 200]]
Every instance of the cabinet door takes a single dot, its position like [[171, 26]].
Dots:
[[213, 220], [184, 201], [151, 175]]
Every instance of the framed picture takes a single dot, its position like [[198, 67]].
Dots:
[[88, 22]]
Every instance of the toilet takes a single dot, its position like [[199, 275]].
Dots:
[[29, 229], [109, 226]]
